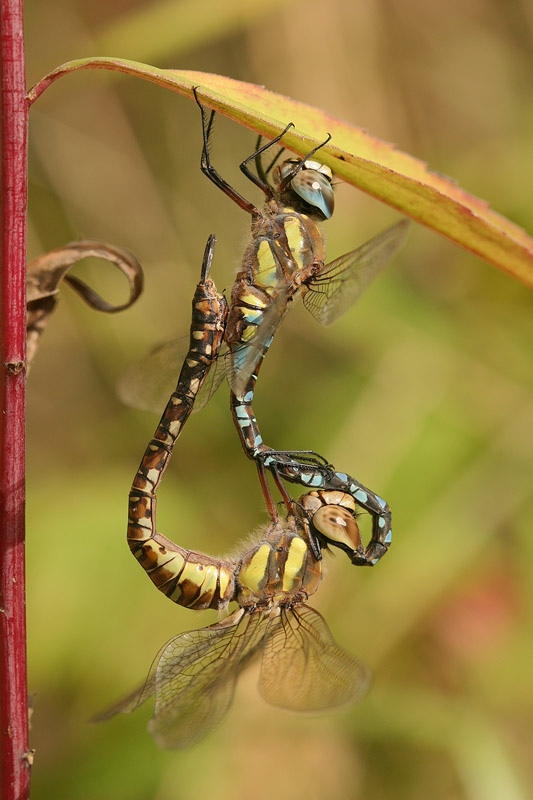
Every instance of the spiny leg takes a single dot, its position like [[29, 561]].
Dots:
[[209, 170], [261, 172], [269, 500], [260, 179]]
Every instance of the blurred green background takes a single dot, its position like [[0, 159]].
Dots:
[[424, 393]]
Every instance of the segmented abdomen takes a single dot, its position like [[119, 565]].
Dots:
[[186, 577]]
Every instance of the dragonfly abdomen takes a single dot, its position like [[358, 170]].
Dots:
[[187, 578]]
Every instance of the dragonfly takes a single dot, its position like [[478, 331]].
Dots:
[[286, 259], [193, 676]]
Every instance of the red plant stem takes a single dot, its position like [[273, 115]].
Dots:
[[15, 757]]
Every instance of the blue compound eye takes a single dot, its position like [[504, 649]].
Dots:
[[316, 189]]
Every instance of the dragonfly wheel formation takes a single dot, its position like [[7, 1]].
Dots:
[[286, 258], [194, 674]]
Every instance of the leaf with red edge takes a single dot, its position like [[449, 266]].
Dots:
[[370, 164]]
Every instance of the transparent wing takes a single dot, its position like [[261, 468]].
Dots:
[[245, 357], [303, 668], [193, 678], [196, 675], [342, 281], [148, 383]]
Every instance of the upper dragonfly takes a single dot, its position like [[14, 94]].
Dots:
[[285, 258]]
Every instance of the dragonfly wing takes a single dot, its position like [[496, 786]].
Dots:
[[246, 357], [148, 383], [303, 668], [195, 678], [342, 281]]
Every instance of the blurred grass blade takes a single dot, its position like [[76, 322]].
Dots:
[[472, 738], [370, 164], [157, 31]]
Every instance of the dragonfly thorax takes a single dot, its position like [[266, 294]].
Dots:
[[280, 568], [310, 181]]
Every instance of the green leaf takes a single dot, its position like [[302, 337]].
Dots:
[[370, 164]]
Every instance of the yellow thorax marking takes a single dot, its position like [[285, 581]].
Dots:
[[249, 333], [295, 238], [294, 563], [252, 300], [266, 275]]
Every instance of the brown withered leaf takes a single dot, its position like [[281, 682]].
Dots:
[[46, 273]]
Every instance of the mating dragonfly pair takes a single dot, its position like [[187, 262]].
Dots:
[[194, 675]]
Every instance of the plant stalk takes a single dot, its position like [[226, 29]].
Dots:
[[15, 757]]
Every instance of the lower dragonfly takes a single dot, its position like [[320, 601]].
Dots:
[[194, 675], [286, 258]]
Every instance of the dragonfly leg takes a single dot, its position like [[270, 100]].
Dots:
[[293, 506], [287, 499], [303, 457], [260, 179], [209, 170], [269, 500]]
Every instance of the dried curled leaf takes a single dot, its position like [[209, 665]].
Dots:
[[46, 273]]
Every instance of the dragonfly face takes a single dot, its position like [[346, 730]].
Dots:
[[332, 517], [308, 180]]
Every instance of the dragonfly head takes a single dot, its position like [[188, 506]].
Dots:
[[332, 515], [310, 181]]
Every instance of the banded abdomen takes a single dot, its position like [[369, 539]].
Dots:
[[186, 577]]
